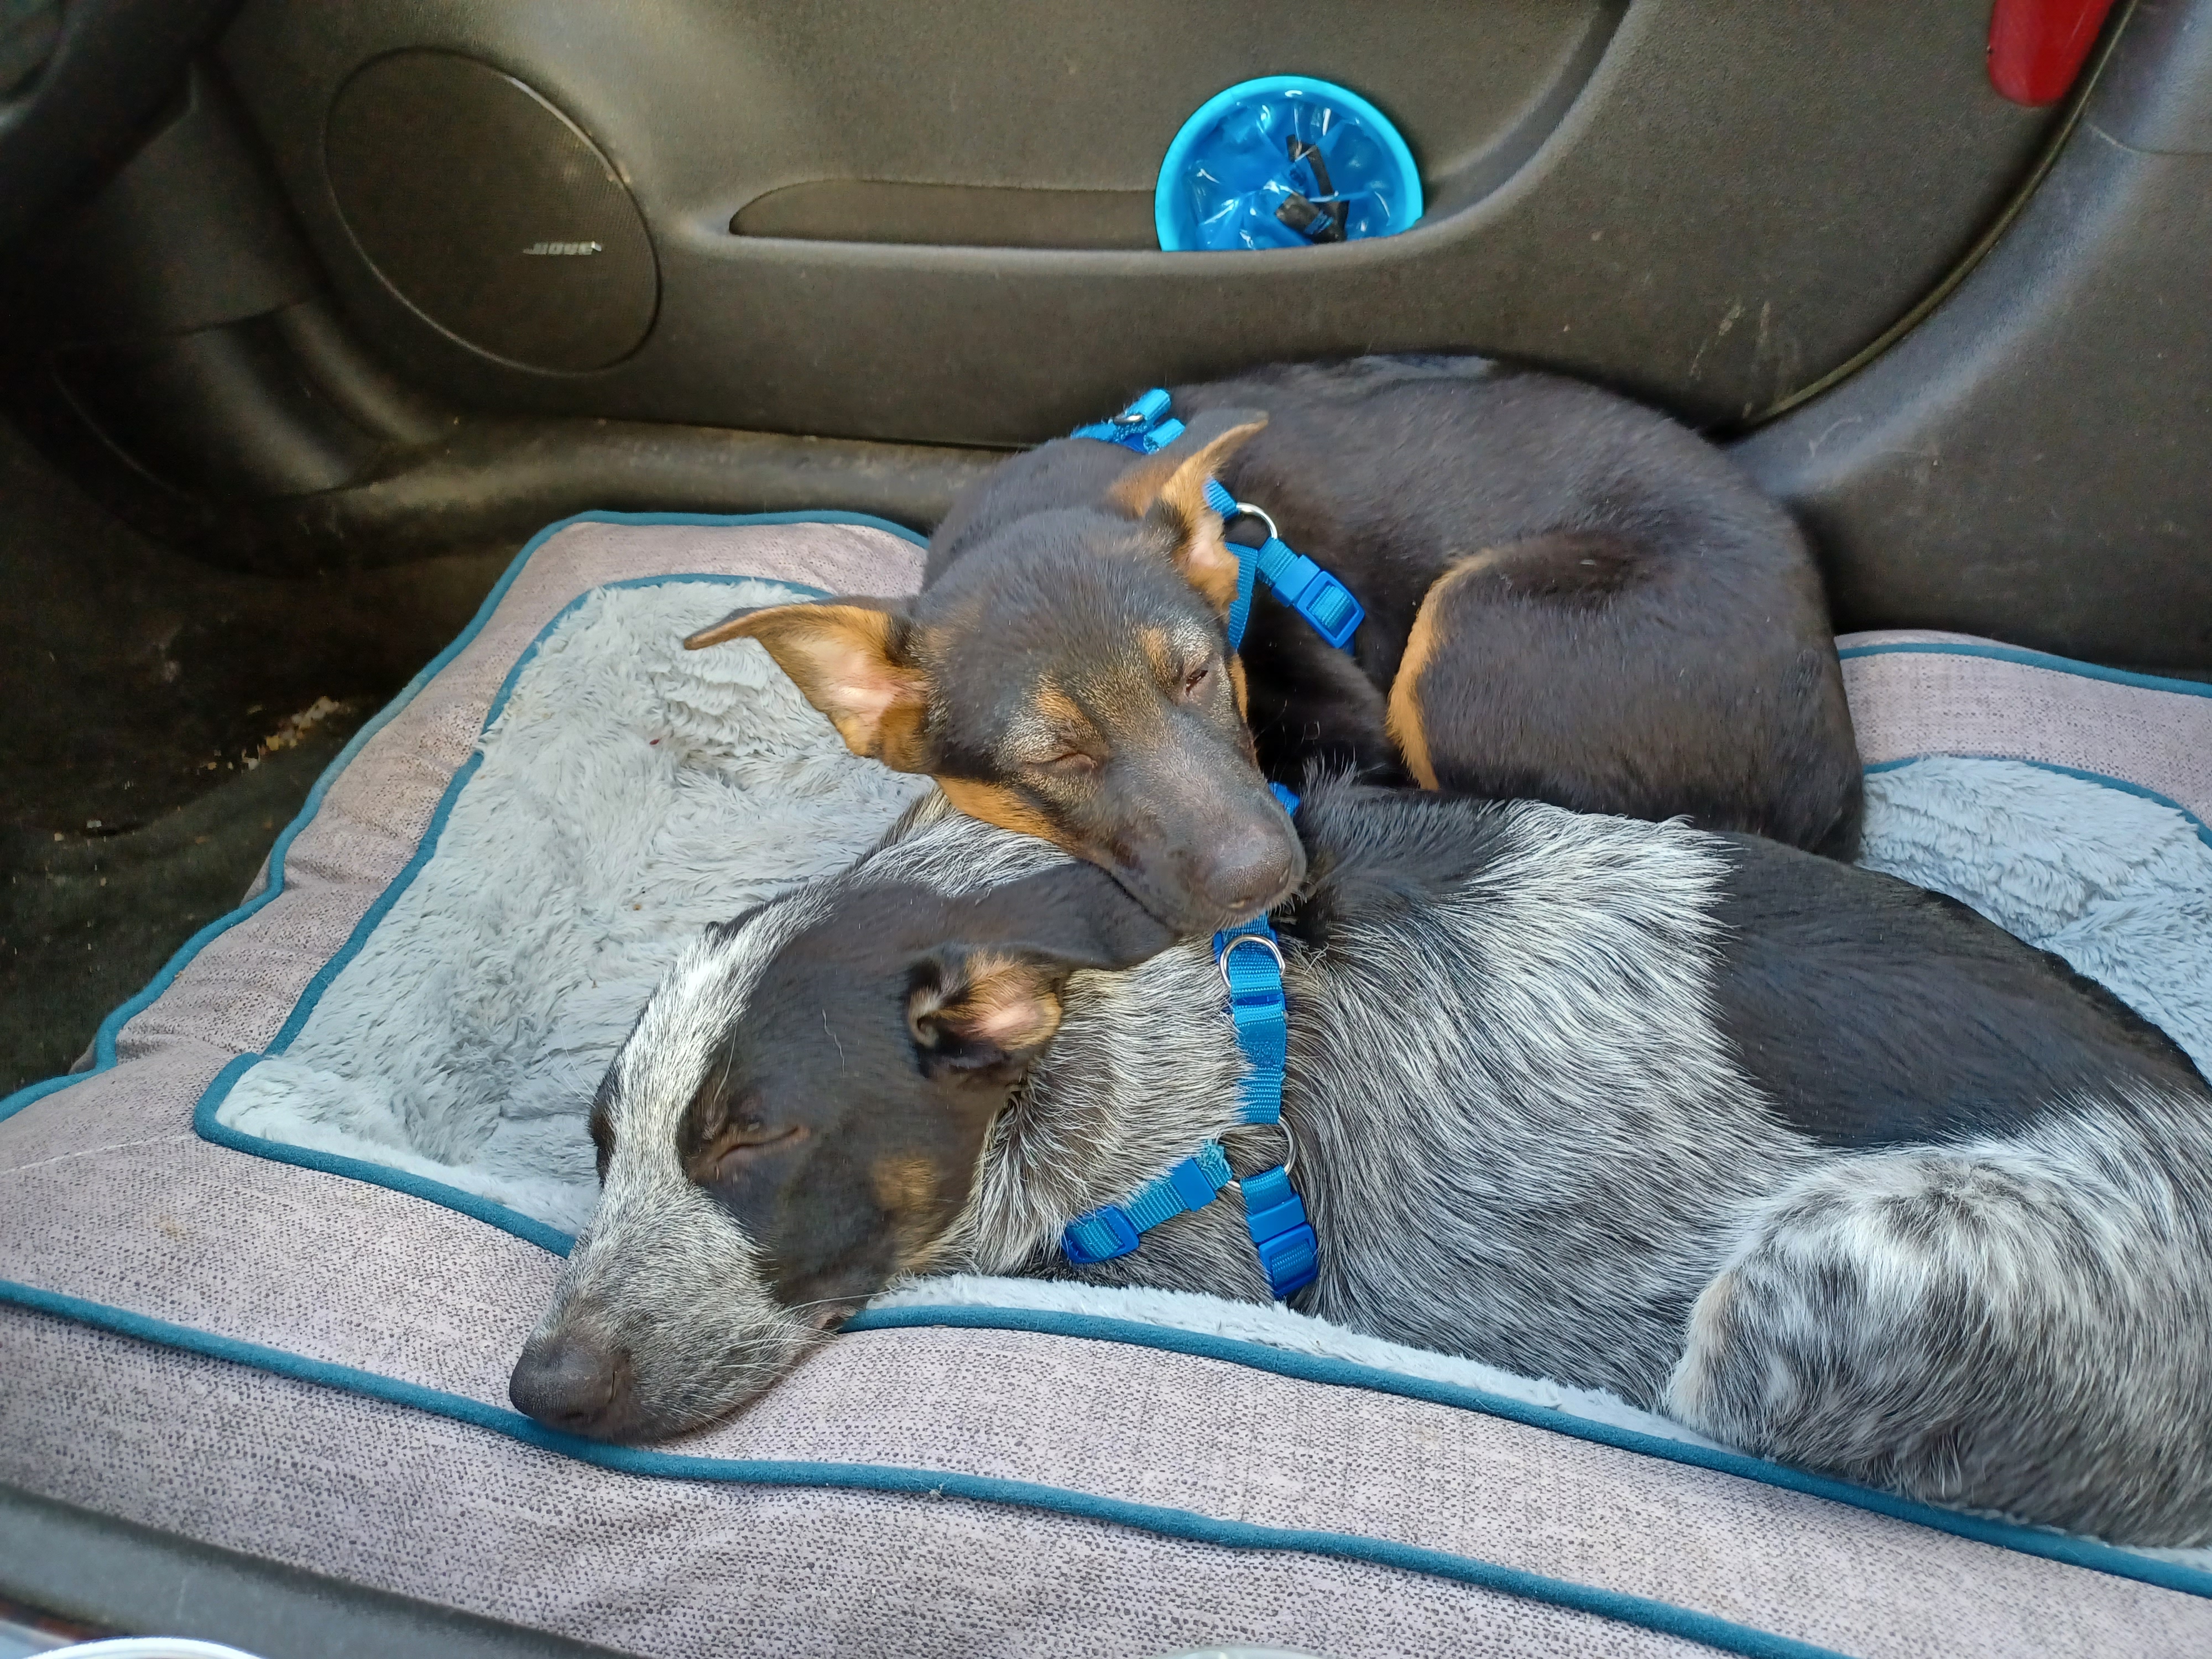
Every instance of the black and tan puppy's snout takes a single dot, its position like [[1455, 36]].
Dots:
[[1200, 864], [571, 1381], [1252, 867]]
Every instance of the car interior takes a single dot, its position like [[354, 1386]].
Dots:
[[311, 316]]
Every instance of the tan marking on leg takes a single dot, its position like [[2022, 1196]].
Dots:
[[1472, 564], [1403, 719]]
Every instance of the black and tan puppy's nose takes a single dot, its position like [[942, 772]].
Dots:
[[570, 1382], [1252, 868]]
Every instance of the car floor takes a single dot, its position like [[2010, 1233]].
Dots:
[[160, 720]]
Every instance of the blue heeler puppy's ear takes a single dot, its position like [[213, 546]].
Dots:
[[849, 658], [988, 1001], [982, 1012]]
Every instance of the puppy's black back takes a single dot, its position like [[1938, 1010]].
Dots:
[[1877, 1013], [1869, 1012], [1632, 627]]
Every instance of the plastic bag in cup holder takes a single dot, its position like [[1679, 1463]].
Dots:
[[1284, 161]]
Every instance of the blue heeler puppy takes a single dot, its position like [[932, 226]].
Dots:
[[1820, 1164]]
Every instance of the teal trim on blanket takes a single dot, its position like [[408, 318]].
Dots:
[[492, 1213], [1165, 1521], [2027, 658], [1347, 1373], [2203, 830]]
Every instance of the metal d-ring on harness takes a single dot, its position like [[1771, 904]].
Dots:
[[1250, 958], [1250, 961]]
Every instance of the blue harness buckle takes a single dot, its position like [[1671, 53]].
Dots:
[[1326, 603], [1101, 1235], [1145, 426]]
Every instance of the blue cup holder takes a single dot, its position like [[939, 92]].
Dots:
[[1284, 161]]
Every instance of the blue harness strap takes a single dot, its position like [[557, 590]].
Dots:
[[1113, 1230], [1249, 956], [1251, 962], [1326, 603], [1146, 427]]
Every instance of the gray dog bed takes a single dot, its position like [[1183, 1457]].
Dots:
[[268, 1263]]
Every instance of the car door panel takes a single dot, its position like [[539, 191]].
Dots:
[[1709, 203]]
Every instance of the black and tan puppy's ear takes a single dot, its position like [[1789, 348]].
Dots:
[[987, 1005], [1169, 493], [849, 659]]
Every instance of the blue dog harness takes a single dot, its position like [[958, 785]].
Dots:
[[1327, 603], [1249, 956], [1250, 959]]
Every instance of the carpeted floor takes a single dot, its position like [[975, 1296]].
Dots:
[[160, 721]]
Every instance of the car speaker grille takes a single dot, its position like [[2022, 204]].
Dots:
[[490, 212]]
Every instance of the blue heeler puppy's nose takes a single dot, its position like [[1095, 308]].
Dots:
[[570, 1382]]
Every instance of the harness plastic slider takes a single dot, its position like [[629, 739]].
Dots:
[[1145, 426], [1324, 601], [1101, 1235], [1284, 1240], [1115, 1229]]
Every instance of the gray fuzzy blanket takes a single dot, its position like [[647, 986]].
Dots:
[[629, 793]]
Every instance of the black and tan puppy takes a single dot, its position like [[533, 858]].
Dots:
[[1569, 597]]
